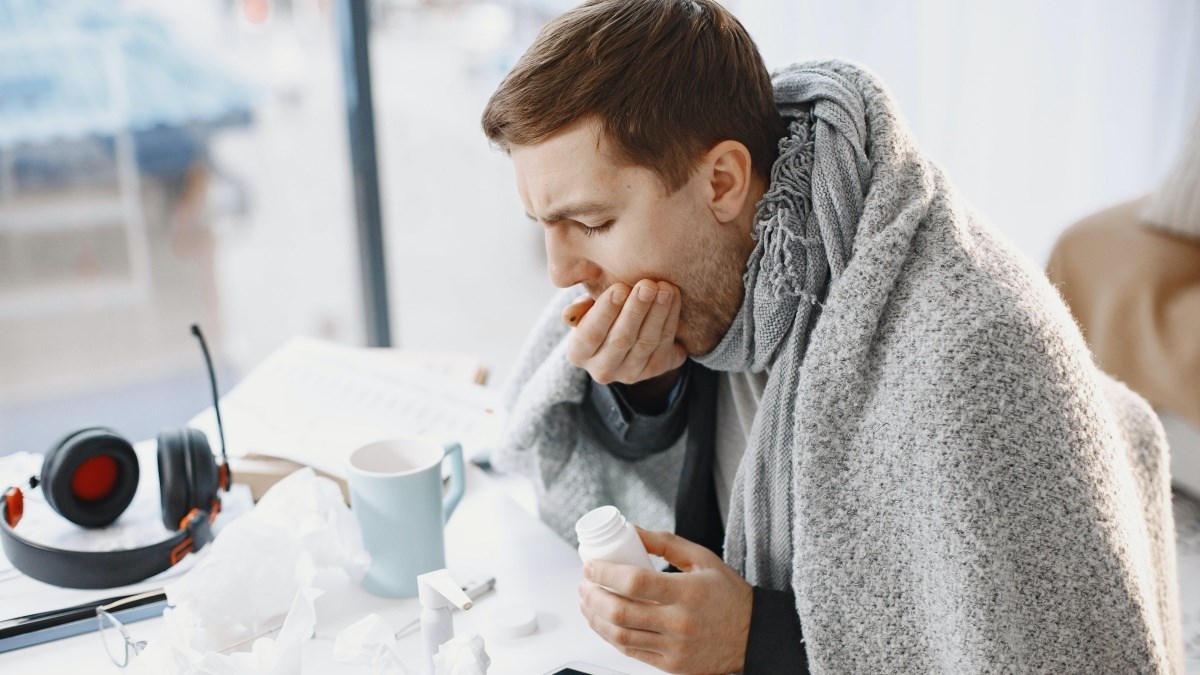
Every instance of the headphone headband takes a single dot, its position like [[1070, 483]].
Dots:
[[99, 569]]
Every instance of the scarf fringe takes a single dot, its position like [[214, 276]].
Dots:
[[789, 247]]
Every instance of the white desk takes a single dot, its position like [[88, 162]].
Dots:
[[488, 534]]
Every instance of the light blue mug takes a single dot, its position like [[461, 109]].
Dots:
[[396, 495]]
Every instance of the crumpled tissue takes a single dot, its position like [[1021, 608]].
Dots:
[[280, 656], [370, 642], [462, 655], [299, 540]]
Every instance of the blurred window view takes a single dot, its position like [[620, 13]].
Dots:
[[466, 269], [164, 162]]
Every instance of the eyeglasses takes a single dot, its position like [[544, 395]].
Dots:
[[114, 635], [122, 648]]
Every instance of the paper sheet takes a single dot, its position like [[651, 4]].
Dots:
[[315, 402]]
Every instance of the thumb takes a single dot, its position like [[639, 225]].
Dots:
[[574, 312], [676, 550]]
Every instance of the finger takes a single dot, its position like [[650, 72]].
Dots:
[[653, 658], [670, 354], [637, 583], [621, 637], [621, 611], [676, 550], [575, 311], [650, 336], [672, 323], [593, 327], [610, 359]]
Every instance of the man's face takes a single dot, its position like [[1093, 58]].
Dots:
[[607, 222]]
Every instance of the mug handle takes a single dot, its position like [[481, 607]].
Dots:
[[457, 480]]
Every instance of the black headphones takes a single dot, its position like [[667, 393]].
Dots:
[[90, 476]]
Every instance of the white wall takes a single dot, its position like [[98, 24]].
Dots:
[[1041, 112]]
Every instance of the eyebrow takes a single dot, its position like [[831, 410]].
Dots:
[[571, 211]]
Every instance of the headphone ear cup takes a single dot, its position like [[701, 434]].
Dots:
[[205, 479], [173, 477], [90, 476], [187, 474]]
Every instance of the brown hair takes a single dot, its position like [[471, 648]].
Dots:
[[667, 80]]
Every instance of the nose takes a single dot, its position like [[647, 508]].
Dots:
[[567, 266]]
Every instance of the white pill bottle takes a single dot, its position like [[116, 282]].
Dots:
[[604, 534]]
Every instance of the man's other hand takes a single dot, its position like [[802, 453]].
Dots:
[[697, 621], [627, 335]]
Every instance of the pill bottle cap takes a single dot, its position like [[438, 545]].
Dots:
[[600, 525]]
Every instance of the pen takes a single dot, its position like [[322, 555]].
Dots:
[[56, 624], [475, 588]]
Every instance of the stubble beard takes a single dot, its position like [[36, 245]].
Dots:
[[711, 293]]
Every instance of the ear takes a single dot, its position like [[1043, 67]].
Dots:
[[730, 176]]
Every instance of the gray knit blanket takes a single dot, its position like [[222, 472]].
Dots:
[[937, 469]]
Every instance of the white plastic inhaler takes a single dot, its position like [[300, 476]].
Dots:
[[604, 534], [438, 592]]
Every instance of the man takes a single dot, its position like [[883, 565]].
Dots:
[[872, 425]]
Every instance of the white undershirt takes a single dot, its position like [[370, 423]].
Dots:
[[738, 394]]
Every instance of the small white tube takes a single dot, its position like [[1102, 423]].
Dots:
[[437, 628], [438, 592]]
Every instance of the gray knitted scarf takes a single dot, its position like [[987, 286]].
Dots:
[[937, 470], [806, 220], [805, 229]]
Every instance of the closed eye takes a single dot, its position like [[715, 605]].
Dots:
[[593, 231]]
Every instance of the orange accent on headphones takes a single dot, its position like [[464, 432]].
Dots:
[[223, 476], [214, 510], [181, 549], [187, 518], [14, 503]]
